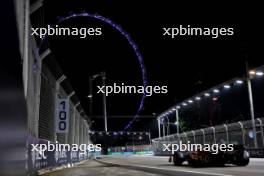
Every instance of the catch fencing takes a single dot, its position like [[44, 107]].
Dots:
[[239, 133], [44, 91]]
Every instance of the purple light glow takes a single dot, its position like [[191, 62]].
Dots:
[[132, 44]]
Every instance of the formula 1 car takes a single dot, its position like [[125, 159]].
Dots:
[[239, 156]]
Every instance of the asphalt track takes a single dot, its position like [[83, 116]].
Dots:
[[160, 165], [154, 166]]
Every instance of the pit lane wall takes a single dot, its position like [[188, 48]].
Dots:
[[130, 150], [240, 133]]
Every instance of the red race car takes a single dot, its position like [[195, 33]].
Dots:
[[239, 156]]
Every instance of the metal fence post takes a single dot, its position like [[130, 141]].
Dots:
[[178, 137], [185, 136], [203, 136], [261, 129], [25, 70], [73, 124], [227, 139], [80, 130], [77, 128], [243, 133], [159, 127], [214, 134], [194, 140], [84, 132], [163, 128]]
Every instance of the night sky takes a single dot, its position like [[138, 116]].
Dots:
[[187, 65]]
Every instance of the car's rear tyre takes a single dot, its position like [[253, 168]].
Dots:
[[177, 161], [242, 159], [242, 162]]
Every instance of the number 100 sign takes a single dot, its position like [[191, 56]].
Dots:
[[62, 115]]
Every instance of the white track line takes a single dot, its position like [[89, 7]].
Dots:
[[179, 170]]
